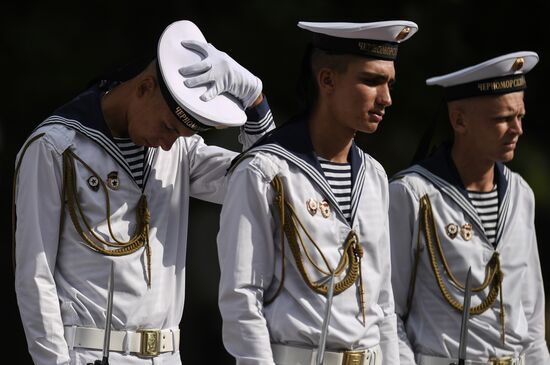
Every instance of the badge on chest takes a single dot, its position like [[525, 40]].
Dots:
[[466, 231], [313, 206]]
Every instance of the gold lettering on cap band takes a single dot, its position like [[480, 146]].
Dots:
[[502, 84], [383, 50], [363, 47], [492, 86], [178, 112], [184, 118], [518, 64], [403, 34]]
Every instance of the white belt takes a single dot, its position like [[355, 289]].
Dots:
[[505, 360], [143, 342], [290, 355]]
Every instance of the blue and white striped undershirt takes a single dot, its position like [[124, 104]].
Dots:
[[134, 156], [338, 176], [486, 205]]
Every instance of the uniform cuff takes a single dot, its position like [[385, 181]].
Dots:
[[259, 118]]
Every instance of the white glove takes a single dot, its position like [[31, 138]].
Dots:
[[222, 72]]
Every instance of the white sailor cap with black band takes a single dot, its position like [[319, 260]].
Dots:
[[500, 75], [222, 111], [378, 40]]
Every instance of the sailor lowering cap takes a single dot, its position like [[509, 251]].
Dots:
[[222, 111], [500, 75], [378, 40]]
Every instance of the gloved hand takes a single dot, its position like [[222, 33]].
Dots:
[[222, 72]]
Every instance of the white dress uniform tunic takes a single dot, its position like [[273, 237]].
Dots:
[[61, 282], [249, 246], [429, 325]]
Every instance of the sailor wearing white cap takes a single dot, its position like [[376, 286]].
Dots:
[[463, 207], [107, 178], [305, 259], [501, 75]]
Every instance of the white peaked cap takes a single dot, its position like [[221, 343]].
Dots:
[[500, 75], [222, 111], [388, 31]]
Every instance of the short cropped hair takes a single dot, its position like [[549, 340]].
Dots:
[[315, 60]]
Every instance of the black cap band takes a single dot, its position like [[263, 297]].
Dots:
[[494, 86], [363, 47], [186, 118]]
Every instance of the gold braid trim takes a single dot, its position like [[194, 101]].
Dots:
[[493, 273], [350, 261], [91, 239]]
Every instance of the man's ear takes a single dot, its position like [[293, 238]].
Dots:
[[457, 117], [326, 80], [146, 86]]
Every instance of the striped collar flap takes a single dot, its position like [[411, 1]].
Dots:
[[84, 115], [292, 142], [440, 170]]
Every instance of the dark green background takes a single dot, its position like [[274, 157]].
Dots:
[[50, 50]]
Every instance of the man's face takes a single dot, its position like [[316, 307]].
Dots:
[[362, 93], [493, 125], [152, 124]]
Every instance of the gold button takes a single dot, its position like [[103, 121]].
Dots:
[[403, 34], [518, 64]]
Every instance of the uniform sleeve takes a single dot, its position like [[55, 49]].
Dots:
[[388, 328], [403, 225], [37, 197], [533, 303], [246, 256], [209, 164]]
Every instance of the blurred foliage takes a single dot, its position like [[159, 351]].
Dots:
[[50, 50]]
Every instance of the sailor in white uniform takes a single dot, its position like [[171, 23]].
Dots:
[[303, 242], [463, 207], [107, 178]]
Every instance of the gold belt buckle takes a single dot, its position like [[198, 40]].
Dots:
[[353, 357], [149, 342], [505, 360]]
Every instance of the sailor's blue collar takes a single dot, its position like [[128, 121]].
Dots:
[[442, 165], [294, 137], [84, 115], [86, 109]]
